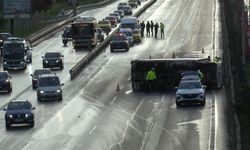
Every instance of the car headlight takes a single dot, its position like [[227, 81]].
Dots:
[[26, 115], [1, 41], [41, 92], [5, 62], [58, 91], [10, 116], [46, 61], [21, 62], [57, 61], [7, 80]]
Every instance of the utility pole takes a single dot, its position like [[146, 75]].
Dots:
[[12, 26], [74, 5]]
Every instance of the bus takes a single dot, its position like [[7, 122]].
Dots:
[[84, 31]]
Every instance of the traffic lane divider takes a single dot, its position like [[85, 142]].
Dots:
[[75, 70]]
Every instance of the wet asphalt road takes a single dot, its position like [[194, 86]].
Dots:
[[95, 116]]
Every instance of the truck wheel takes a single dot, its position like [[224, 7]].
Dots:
[[10, 90], [39, 98], [32, 124], [111, 50]]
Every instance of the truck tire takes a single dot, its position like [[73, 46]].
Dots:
[[178, 104], [7, 126]]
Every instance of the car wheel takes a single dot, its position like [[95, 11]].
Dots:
[[127, 49], [60, 98], [30, 60], [39, 98], [62, 67], [111, 50], [10, 90], [203, 103], [7, 126], [178, 104], [32, 124], [33, 86]]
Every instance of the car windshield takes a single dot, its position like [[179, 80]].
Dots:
[[127, 33], [3, 75], [49, 81], [40, 72], [190, 85], [119, 38], [128, 25], [52, 55], [18, 106]]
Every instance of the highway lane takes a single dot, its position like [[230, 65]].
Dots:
[[54, 43], [94, 116]]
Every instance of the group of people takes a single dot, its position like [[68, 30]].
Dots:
[[152, 28]]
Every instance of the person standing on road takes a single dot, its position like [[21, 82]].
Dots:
[[151, 79], [162, 29], [148, 28], [142, 28], [156, 29], [152, 27]]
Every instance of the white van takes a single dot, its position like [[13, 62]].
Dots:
[[130, 22]]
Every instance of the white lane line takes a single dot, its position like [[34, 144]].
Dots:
[[113, 101], [212, 136], [92, 130], [127, 126]]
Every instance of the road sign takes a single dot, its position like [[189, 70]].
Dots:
[[16, 9]]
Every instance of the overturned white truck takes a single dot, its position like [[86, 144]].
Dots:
[[168, 72]]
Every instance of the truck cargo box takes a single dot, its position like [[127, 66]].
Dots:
[[168, 72]]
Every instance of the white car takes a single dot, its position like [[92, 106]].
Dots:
[[190, 91]]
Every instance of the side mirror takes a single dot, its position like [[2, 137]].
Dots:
[[62, 84], [31, 75], [11, 77], [42, 56], [62, 55], [31, 49], [33, 108], [4, 109], [176, 87]]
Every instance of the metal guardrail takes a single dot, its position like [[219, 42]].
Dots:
[[45, 32], [75, 70]]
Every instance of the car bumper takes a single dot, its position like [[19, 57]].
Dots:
[[50, 96], [14, 66], [52, 65], [5, 87], [19, 120]]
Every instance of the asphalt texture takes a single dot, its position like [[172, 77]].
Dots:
[[95, 115]]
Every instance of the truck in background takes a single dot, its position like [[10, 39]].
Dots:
[[16, 53], [130, 22], [84, 31]]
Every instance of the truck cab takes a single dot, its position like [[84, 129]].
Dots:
[[15, 53]]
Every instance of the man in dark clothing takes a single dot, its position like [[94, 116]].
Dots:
[[142, 28], [148, 28], [152, 27], [156, 29]]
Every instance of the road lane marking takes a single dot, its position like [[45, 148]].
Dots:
[[92, 130], [212, 132]]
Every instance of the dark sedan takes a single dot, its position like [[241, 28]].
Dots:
[[37, 73], [119, 41], [5, 81], [53, 60], [19, 112]]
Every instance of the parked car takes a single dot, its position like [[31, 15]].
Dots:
[[121, 4], [126, 9], [116, 15], [100, 35], [129, 35], [3, 37], [5, 81], [120, 12], [190, 91], [37, 73], [105, 25], [112, 20], [28, 51], [49, 87], [137, 36], [119, 42], [19, 112], [133, 3], [53, 60]]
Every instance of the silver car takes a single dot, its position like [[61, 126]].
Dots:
[[190, 91]]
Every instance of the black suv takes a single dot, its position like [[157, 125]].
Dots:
[[53, 60], [36, 74], [49, 87], [19, 112], [5, 81]]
